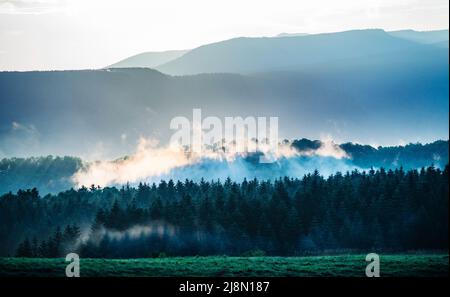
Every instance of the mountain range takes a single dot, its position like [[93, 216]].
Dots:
[[368, 86], [287, 51]]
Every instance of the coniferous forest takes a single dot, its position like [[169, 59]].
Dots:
[[377, 210]]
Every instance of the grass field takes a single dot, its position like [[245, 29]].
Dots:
[[433, 265]]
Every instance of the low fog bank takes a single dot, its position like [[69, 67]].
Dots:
[[295, 158], [152, 163]]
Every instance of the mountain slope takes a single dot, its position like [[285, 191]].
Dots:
[[442, 44], [148, 59], [250, 55], [425, 37]]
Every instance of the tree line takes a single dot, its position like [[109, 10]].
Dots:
[[377, 210]]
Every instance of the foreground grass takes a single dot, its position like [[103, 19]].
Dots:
[[434, 265]]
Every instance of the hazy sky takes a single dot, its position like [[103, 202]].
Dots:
[[78, 34]]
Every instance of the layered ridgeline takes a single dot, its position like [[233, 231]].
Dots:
[[54, 174], [369, 85], [250, 55], [376, 211], [288, 51]]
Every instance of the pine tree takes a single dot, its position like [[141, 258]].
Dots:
[[24, 250]]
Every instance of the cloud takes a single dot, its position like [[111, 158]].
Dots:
[[31, 6]]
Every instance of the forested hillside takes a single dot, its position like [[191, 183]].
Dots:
[[48, 174]]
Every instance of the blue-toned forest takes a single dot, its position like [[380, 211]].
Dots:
[[382, 210]]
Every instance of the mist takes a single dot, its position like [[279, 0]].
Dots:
[[152, 163]]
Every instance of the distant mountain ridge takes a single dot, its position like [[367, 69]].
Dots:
[[284, 51], [252, 55], [425, 37], [291, 34], [148, 59]]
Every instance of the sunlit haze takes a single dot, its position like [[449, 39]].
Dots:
[[81, 34]]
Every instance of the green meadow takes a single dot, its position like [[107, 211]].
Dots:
[[405, 265]]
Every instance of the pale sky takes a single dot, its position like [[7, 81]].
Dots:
[[86, 34]]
